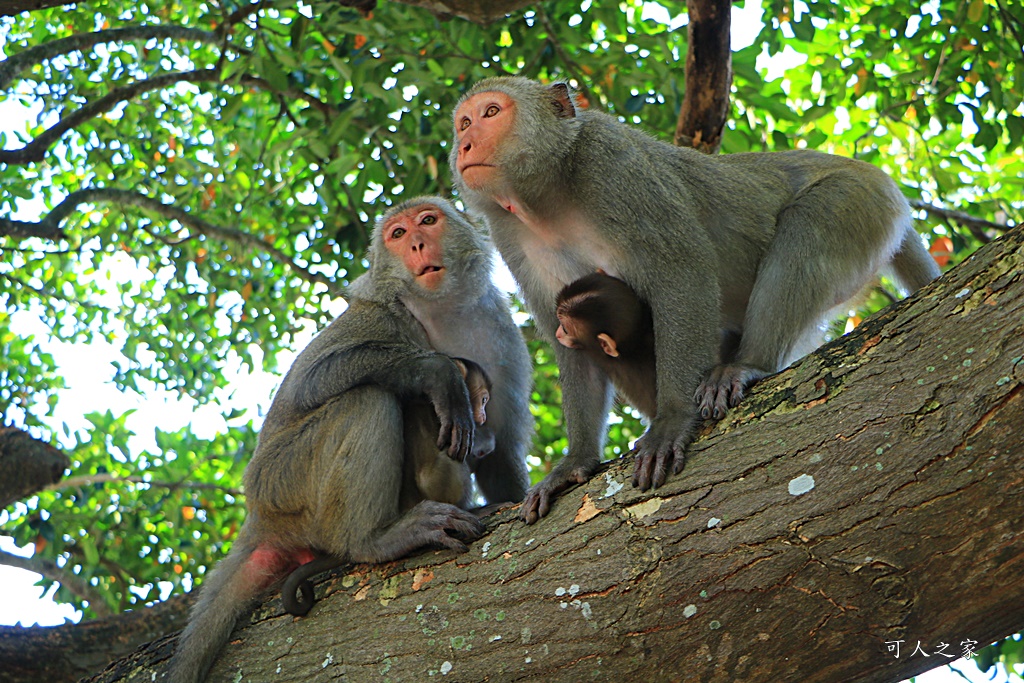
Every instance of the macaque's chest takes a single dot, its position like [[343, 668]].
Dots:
[[561, 249]]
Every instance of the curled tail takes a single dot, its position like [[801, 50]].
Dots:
[[912, 265], [225, 595], [299, 582]]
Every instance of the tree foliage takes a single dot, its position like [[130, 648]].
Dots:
[[196, 181]]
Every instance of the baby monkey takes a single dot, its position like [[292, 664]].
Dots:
[[603, 317], [428, 474]]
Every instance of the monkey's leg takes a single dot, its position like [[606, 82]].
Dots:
[[827, 246], [225, 595], [357, 509], [502, 476], [586, 399]]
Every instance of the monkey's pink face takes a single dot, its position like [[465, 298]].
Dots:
[[567, 334], [414, 236], [481, 125]]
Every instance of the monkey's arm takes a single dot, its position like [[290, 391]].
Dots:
[[586, 399], [367, 345], [686, 336]]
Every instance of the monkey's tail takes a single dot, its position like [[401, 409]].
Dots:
[[912, 265], [299, 582], [225, 595]]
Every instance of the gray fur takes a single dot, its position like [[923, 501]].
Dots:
[[329, 471], [762, 244]]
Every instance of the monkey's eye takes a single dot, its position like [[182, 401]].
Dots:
[[492, 110], [429, 219], [397, 233], [464, 123]]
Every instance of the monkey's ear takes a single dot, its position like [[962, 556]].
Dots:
[[608, 345], [561, 98]]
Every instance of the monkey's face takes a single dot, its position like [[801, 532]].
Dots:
[[482, 123], [414, 236], [567, 333]]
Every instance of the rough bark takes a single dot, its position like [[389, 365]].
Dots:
[[708, 76], [27, 465], [64, 654], [868, 494]]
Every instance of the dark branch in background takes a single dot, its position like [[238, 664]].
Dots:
[[977, 226], [28, 465], [79, 42], [571, 64], [9, 8], [49, 227], [65, 577], [473, 10], [36, 150], [708, 76], [1013, 24]]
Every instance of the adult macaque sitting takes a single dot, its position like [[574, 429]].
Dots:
[[327, 476]]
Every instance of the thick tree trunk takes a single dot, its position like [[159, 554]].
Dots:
[[708, 76], [67, 653], [868, 496]]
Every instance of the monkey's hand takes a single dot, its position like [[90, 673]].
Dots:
[[450, 398], [565, 474], [724, 388], [663, 446], [446, 526]]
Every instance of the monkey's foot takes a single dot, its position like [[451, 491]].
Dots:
[[538, 498], [724, 388], [447, 526], [661, 448]]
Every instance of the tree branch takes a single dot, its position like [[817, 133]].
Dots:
[[78, 42], [832, 512], [28, 465], [975, 225], [87, 479], [49, 227], [66, 578], [64, 654], [708, 76]]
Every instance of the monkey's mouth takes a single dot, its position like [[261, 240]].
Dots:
[[427, 270], [466, 167]]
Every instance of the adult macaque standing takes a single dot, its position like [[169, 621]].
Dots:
[[327, 475], [765, 245], [602, 317]]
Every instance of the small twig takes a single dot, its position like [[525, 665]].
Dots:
[[975, 225], [44, 293], [570, 63], [49, 227], [66, 578], [89, 479], [1011, 24]]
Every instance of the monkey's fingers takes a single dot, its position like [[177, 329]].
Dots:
[[538, 499], [465, 527], [724, 388], [661, 449]]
